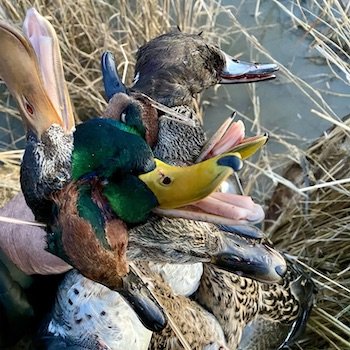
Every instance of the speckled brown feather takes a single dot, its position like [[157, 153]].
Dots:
[[199, 327], [278, 303], [235, 301], [232, 299]]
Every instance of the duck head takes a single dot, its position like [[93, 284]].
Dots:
[[40, 101], [38, 86], [133, 182], [125, 161], [174, 67]]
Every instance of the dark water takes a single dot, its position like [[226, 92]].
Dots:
[[283, 108]]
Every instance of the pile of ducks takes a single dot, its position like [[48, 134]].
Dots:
[[162, 259]]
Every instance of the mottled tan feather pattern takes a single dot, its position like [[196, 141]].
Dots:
[[235, 301], [278, 303], [198, 326], [232, 299]]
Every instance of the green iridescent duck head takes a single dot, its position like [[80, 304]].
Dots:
[[132, 181]]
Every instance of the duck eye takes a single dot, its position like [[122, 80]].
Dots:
[[166, 180], [29, 108], [123, 117]]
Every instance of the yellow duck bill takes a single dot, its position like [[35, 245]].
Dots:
[[176, 187]]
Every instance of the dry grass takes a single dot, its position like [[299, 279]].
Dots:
[[309, 212], [313, 224], [315, 230]]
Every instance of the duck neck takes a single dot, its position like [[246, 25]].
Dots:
[[179, 143], [46, 168], [165, 90]]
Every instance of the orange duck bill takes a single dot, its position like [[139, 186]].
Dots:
[[225, 208]]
